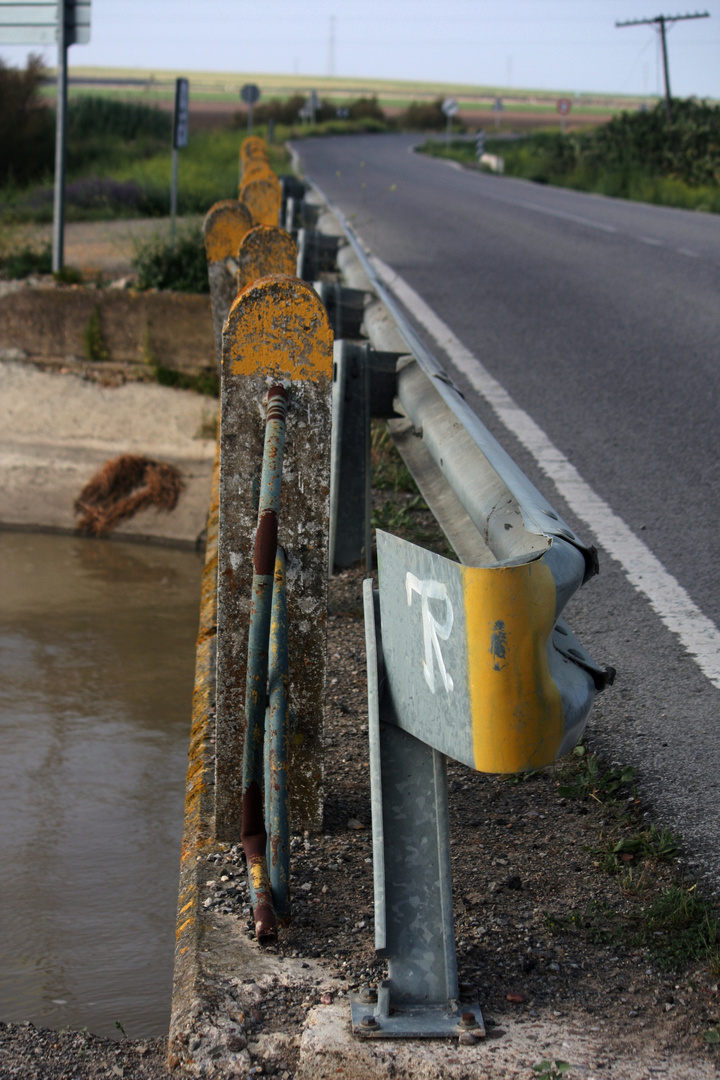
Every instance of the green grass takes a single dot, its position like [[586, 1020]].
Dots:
[[548, 158]]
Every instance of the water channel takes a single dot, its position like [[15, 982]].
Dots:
[[96, 671]]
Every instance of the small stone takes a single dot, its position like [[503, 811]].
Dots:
[[514, 882], [173, 1061], [467, 1039], [515, 998], [326, 999], [554, 966], [353, 823]]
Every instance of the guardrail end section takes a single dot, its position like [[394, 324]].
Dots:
[[277, 332], [265, 250], [474, 649]]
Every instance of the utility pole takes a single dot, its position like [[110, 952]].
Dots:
[[331, 48], [663, 21]]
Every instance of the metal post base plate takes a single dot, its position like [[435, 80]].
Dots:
[[414, 1021]]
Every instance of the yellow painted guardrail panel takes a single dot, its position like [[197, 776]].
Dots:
[[517, 711]]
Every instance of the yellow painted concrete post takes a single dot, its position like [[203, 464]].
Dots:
[[263, 198], [265, 250], [255, 169], [225, 225], [252, 148], [277, 332]]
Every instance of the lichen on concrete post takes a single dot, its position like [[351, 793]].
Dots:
[[263, 198], [225, 225], [265, 250], [277, 332]]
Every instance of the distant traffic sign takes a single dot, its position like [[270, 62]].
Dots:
[[181, 117], [564, 106], [35, 22], [450, 107], [250, 93]]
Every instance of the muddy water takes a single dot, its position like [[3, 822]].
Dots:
[[96, 670]]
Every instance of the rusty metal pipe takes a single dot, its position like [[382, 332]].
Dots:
[[253, 832], [277, 747]]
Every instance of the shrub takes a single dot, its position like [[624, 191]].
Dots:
[[27, 260], [27, 126], [183, 268], [366, 109], [424, 116]]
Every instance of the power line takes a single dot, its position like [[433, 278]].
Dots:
[[663, 21]]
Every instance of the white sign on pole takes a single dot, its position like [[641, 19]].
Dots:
[[450, 107], [35, 22]]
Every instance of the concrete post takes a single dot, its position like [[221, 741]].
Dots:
[[265, 250], [225, 225], [277, 330]]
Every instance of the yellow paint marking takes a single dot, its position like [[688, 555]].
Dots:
[[184, 926], [185, 908], [278, 327], [225, 225], [265, 250], [517, 712]]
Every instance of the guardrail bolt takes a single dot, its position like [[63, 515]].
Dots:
[[367, 995], [467, 990], [467, 1021], [369, 1023]]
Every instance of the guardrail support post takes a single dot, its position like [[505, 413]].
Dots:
[[363, 387]]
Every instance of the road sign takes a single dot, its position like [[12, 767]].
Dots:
[[480, 143], [35, 22], [181, 117], [450, 107], [564, 106], [250, 93]]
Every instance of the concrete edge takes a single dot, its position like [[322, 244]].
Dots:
[[187, 996]]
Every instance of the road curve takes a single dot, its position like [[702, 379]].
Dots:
[[601, 319]]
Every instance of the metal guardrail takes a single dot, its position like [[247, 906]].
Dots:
[[468, 660]]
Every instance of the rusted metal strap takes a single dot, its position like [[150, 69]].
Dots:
[[277, 748], [253, 832]]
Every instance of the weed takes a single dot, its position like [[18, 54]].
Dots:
[[599, 920], [93, 340], [680, 927], [119, 1026], [204, 382], [590, 779], [712, 1036], [68, 275], [22, 262], [653, 843], [389, 471], [391, 516], [182, 268], [551, 1070]]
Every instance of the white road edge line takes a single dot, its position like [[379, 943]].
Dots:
[[698, 634]]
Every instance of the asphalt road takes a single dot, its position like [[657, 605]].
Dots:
[[602, 321]]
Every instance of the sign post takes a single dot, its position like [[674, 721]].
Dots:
[[450, 108], [563, 107], [43, 22], [250, 94], [181, 125]]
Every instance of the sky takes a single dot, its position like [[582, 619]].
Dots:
[[568, 45]]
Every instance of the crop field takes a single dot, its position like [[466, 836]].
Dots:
[[221, 89]]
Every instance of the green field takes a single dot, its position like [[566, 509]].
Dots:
[[222, 89]]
